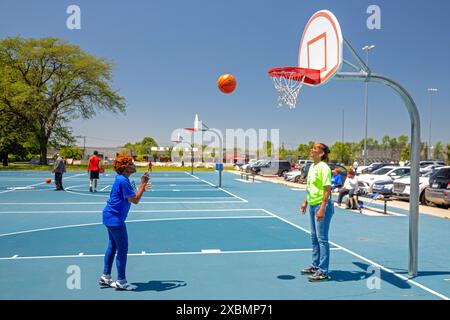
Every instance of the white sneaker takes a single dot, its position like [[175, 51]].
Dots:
[[105, 281], [123, 286]]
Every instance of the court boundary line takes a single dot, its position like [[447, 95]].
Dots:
[[242, 199], [40, 183], [406, 279], [135, 211], [144, 253], [146, 220]]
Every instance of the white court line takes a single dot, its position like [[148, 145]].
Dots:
[[40, 183], [144, 253], [408, 280], [133, 221], [133, 211], [140, 202], [105, 188], [247, 181], [69, 190], [243, 200]]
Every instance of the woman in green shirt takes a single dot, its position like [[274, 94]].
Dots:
[[321, 209]]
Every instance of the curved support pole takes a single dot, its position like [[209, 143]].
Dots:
[[415, 156]]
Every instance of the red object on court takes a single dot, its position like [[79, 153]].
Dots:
[[101, 170], [48, 180], [226, 83]]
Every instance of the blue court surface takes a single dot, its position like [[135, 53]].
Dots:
[[190, 240]]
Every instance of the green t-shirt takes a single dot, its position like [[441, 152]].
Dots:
[[319, 176]]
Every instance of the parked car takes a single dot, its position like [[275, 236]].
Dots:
[[382, 175], [293, 176], [402, 186], [300, 163], [426, 163], [383, 187], [273, 167], [250, 163], [431, 167], [438, 191], [258, 163], [374, 166]]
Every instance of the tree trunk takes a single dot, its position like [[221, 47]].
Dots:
[[4, 159], [43, 154]]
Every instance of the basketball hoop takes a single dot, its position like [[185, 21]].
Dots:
[[289, 80]]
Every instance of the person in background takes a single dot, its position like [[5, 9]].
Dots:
[[350, 187], [59, 167], [355, 165], [94, 170], [336, 180], [150, 165]]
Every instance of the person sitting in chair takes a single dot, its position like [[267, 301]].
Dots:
[[350, 187]]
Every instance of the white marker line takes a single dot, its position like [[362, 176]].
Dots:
[[105, 188], [367, 260], [134, 221], [247, 181], [211, 251], [243, 200], [140, 202], [40, 183], [168, 253], [136, 211], [81, 254]]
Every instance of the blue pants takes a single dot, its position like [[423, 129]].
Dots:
[[118, 242], [319, 237]]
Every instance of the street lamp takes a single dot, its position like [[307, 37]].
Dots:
[[430, 90], [366, 112]]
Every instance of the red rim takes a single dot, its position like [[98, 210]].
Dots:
[[310, 76]]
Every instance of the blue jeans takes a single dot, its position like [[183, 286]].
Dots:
[[118, 243], [319, 237]]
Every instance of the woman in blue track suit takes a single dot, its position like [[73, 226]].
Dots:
[[114, 216]]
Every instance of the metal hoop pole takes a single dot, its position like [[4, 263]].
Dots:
[[415, 152]]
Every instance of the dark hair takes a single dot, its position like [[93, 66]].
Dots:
[[326, 152], [96, 152]]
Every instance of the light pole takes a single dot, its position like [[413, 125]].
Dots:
[[366, 110], [430, 90]]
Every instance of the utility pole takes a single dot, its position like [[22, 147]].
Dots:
[[366, 49]]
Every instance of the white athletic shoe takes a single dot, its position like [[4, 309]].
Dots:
[[105, 281], [123, 286]]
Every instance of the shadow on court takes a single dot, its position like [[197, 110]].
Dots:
[[159, 285]]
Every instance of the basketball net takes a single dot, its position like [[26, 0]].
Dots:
[[288, 88]]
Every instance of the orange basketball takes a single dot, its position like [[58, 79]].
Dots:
[[48, 180], [226, 83]]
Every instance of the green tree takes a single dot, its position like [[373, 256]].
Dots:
[[447, 153], [342, 152], [48, 82], [438, 151], [71, 152], [405, 153]]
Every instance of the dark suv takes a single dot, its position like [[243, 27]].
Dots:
[[438, 191], [273, 167]]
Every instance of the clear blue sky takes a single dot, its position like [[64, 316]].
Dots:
[[168, 55]]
